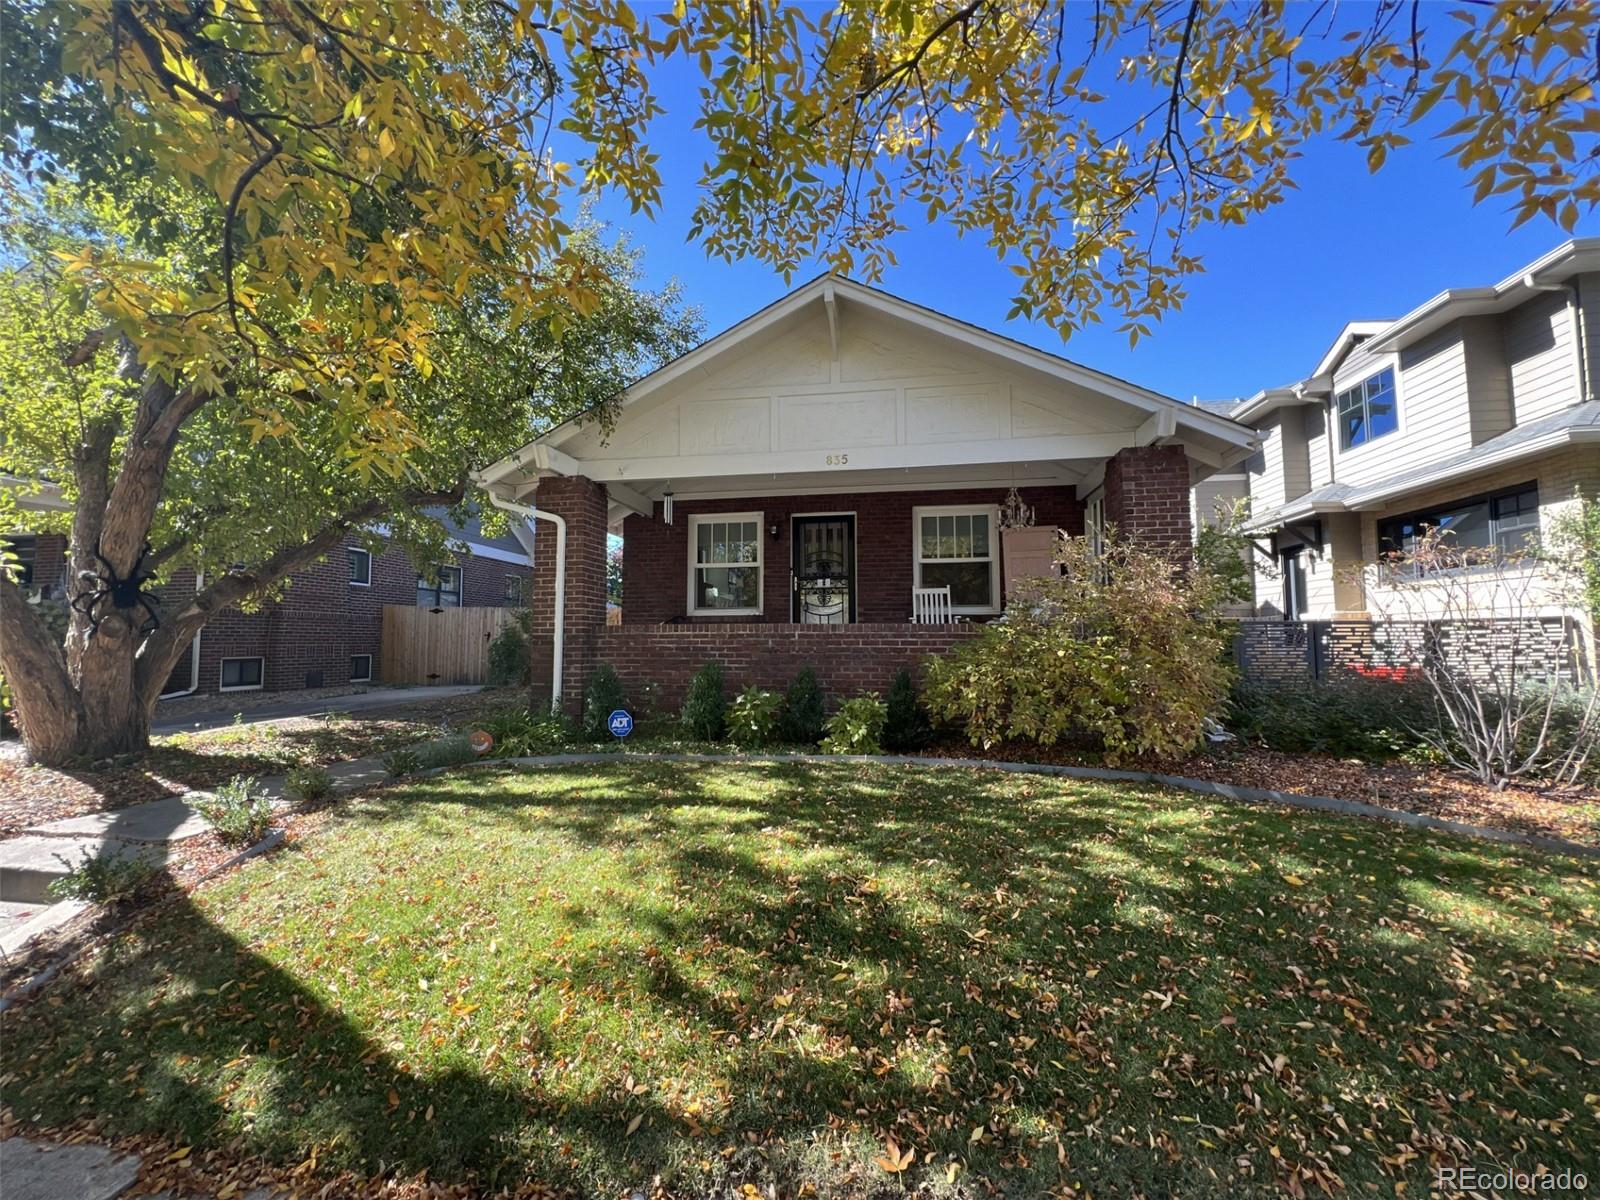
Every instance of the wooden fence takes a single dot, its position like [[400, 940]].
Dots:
[[439, 646]]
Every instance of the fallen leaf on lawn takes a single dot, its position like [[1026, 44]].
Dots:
[[179, 1154], [1294, 881], [634, 1124], [893, 1160]]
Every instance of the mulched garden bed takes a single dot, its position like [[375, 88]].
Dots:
[[182, 762], [1573, 814]]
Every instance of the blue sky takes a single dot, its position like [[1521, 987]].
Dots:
[[1348, 245]]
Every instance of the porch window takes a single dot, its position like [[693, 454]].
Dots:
[[443, 592], [1505, 524], [955, 548], [725, 564]]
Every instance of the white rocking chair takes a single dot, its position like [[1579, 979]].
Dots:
[[931, 606]]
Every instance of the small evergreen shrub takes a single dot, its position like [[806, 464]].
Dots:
[[602, 698], [705, 708], [905, 727], [801, 722], [101, 878], [508, 657], [753, 719], [857, 728], [308, 783], [402, 762], [239, 811]]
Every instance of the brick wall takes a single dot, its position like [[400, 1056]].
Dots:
[[1147, 495], [655, 556], [848, 659], [309, 635], [582, 504]]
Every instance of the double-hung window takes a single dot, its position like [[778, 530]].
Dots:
[[1367, 411], [725, 564], [444, 591], [956, 548]]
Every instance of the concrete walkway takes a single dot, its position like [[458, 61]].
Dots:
[[281, 709], [46, 852]]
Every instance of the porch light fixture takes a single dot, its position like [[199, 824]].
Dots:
[[773, 530], [1014, 514], [666, 506]]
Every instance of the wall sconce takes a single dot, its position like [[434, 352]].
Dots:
[[773, 530]]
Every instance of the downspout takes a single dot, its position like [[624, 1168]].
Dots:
[[524, 511], [194, 653]]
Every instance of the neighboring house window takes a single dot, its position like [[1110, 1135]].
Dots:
[[1507, 522], [516, 589], [955, 548], [1367, 411], [444, 592], [360, 567], [23, 551], [361, 668], [241, 674], [725, 564]]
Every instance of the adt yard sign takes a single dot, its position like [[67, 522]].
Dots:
[[620, 723]]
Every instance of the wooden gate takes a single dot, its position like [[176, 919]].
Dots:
[[439, 646]]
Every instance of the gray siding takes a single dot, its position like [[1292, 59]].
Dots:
[[1488, 398], [1432, 385], [1538, 339]]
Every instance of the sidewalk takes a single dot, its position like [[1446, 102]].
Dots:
[[277, 710]]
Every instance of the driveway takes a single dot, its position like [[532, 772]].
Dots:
[[277, 710]]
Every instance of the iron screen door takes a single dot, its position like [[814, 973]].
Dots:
[[824, 570]]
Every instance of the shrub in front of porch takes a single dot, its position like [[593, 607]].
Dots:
[[705, 707], [1120, 652]]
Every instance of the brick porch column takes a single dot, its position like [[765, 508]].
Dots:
[[582, 504], [1147, 495]]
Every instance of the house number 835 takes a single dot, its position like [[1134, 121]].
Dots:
[[838, 460]]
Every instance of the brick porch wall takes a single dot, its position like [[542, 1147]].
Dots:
[[1147, 495], [848, 659], [655, 556]]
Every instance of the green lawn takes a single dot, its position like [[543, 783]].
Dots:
[[757, 973]]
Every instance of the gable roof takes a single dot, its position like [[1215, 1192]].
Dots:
[[830, 287]]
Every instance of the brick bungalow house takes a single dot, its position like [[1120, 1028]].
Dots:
[[787, 492], [326, 630]]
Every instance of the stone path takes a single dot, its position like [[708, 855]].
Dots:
[[31, 1170], [47, 852]]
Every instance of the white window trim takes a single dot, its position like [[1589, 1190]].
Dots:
[[367, 678], [516, 593], [242, 687], [1390, 362], [992, 511], [760, 564], [367, 554]]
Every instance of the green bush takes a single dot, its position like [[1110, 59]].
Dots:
[[446, 752], [1113, 652], [308, 783], [705, 708], [801, 722], [857, 728], [1349, 716], [524, 732], [101, 878], [905, 727], [508, 656], [753, 719], [602, 698], [239, 811], [402, 762]]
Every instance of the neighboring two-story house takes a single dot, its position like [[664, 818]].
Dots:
[[326, 629], [1475, 412]]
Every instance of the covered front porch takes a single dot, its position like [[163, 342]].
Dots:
[[844, 480]]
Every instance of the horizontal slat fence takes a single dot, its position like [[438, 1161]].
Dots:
[[438, 646], [1276, 651]]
